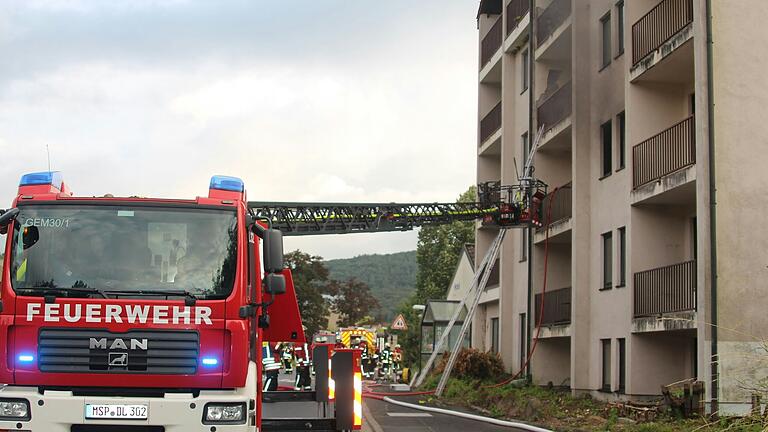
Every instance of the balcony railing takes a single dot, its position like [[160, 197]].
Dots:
[[490, 123], [669, 151], [651, 31], [493, 279], [557, 307], [553, 17], [491, 43], [666, 289], [556, 108], [516, 10], [561, 206]]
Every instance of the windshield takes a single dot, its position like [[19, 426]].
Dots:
[[125, 249]]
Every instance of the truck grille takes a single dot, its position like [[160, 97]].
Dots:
[[101, 351]]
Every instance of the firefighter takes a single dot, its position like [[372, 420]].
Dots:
[[270, 361], [287, 353], [397, 359], [375, 362], [365, 360], [386, 360], [303, 378]]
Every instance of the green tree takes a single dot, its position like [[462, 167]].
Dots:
[[437, 254], [310, 279], [438, 251], [353, 302]]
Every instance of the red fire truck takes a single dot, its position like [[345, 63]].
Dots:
[[138, 314]]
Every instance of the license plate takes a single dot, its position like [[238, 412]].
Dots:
[[137, 412]]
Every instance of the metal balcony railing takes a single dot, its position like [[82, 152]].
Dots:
[[491, 43], [490, 123], [656, 27], [516, 10], [550, 19], [562, 205], [556, 108], [664, 153], [665, 289], [557, 307]]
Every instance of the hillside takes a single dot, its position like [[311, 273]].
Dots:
[[392, 277]]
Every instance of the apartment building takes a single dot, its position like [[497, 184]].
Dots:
[[655, 151]]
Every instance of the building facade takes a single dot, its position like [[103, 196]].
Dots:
[[654, 152]]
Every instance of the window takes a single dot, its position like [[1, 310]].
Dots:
[[622, 126], [623, 364], [160, 248], [524, 71], [620, 27], [494, 335], [607, 145], [692, 103], [525, 150], [605, 24], [622, 256], [607, 260], [523, 340], [606, 350]]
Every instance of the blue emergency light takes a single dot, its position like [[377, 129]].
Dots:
[[53, 178], [210, 361], [227, 183], [26, 358]]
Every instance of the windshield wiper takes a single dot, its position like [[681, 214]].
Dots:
[[50, 293], [189, 298]]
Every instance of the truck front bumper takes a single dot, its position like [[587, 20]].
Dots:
[[59, 411]]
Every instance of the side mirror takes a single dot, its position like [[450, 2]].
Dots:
[[8, 216], [273, 251], [274, 284]]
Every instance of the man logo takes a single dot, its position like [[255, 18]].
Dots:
[[117, 343], [118, 359]]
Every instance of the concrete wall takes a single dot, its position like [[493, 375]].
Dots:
[[741, 159]]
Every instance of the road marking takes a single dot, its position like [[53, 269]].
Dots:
[[408, 414]]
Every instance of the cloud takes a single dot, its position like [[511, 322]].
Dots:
[[378, 106]]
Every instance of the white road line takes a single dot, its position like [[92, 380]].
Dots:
[[404, 414]]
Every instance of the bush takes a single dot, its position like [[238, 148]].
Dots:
[[474, 364]]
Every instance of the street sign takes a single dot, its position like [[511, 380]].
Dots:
[[399, 323]]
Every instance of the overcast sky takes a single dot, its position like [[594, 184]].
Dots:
[[317, 100]]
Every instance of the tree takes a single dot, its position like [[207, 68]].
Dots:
[[438, 251], [437, 254], [353, 302], [310, 279]]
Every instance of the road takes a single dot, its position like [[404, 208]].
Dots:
[[379, 416]]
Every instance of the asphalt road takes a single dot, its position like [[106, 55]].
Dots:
[[379, 416]]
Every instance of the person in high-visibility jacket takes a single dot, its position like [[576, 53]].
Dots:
[[303, 378], [386, 360], [270, 361], [365, 360], [287, 353]]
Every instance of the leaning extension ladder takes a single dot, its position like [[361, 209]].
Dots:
[[479, 282]]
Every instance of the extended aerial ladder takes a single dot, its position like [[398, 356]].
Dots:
[[503, 206]]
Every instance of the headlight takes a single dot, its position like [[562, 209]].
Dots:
[[15, 409], [233, 413]]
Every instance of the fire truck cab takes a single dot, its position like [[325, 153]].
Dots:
[[138, 313]]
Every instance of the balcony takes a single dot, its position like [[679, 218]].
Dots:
[[516, 11], [553, 35], [557, 209], [491, 43], [557, 307], [555, 109], [664, 30], [490, 131], [663, 154], [665, 290]]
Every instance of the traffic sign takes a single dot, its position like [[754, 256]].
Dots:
[[399, 323]]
